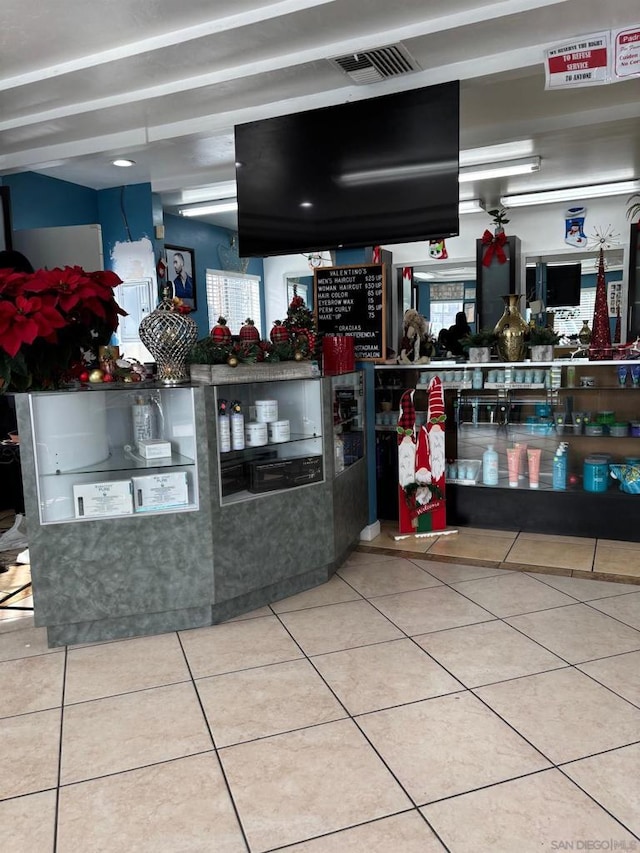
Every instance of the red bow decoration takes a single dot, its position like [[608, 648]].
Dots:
[[494, 244]]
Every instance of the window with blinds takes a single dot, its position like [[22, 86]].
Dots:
[[234, 296], [568, 321]]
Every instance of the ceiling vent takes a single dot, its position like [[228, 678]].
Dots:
[[372, 66]]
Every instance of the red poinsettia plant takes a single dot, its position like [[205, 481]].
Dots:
[[49, 320]]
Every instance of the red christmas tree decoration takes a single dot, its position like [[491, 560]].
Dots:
[[617, 333], [600, 347]]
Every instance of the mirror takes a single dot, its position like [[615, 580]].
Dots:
[[442, 288], [303, 285], [568, 318]]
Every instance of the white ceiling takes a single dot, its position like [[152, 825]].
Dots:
[[164, 83]]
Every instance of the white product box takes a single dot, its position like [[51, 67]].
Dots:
[[160, 491], [96, 500], [154, 448]]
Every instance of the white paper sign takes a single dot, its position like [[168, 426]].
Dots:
[[583, 61], [626, 52], [97, 500]]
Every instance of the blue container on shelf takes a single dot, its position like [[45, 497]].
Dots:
[[595, 474], [628, 476]]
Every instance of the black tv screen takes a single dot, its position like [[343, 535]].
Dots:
[[563, 285], [381, 170]]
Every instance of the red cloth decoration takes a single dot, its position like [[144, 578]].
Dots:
[[494, 244]]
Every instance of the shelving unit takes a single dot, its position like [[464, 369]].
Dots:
[[82, 438], [505, 412]]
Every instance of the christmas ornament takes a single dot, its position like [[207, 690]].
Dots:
[[96, 376], [248, 332], [221, 333], [438, 250], [279, 333], [574, 227], [603, 238], [232, 361], [600, 346]]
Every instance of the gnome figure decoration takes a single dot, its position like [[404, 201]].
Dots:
[[421, 464]]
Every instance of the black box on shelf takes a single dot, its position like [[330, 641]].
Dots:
[[284, 473], [234, 478]]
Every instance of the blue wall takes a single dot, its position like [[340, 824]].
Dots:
[[124, 213], [205, 239], [41, 202]]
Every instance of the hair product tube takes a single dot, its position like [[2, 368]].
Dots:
[[513, 464], [533, 457]]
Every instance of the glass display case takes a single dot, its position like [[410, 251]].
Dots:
[[347, 393], [269, 437], [107, 453], [551, 446]]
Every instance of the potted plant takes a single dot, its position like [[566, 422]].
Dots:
[[51, 322], [499, 218], [634, 205], [542, 340], [479, 344]]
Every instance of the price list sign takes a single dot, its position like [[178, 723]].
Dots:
[[350, 300]]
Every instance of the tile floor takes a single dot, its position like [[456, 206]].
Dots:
[[577, 556], [409, 705]]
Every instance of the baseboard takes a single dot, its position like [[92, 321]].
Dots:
[[371, 531]]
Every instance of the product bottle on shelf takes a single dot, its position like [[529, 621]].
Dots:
[[490, 467], [339, 453], [224, 427], [237, 426], [559, 475], [142, 420]]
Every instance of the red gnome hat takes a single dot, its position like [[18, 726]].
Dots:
[[407, 419]]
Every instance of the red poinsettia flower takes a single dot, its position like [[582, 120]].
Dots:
[[48, 318]]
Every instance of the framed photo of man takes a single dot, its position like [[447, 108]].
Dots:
[[181, 273]]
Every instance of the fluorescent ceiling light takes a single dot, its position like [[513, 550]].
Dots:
[[471, 205], [124, 164], [503, 169], [205, 209], [224, 189], [495, 153], [394, 173], [570, 194]]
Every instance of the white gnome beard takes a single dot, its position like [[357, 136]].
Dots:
[[406, 461], [436, 450]]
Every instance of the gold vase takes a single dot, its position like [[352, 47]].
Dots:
[[511, 330]]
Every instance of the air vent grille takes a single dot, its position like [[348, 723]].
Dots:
[[371, 66]]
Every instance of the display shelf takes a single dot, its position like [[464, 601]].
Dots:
[[256, 470], [249, 453], [81, 440], [349, 445], [123, 460]]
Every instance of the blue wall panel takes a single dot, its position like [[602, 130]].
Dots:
[[38, 201], [205, 241]]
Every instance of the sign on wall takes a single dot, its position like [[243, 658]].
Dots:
[[583, 61], [594, 60], [349, 300]]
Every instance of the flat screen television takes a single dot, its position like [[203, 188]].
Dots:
[[563, 285], [381, 170]]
